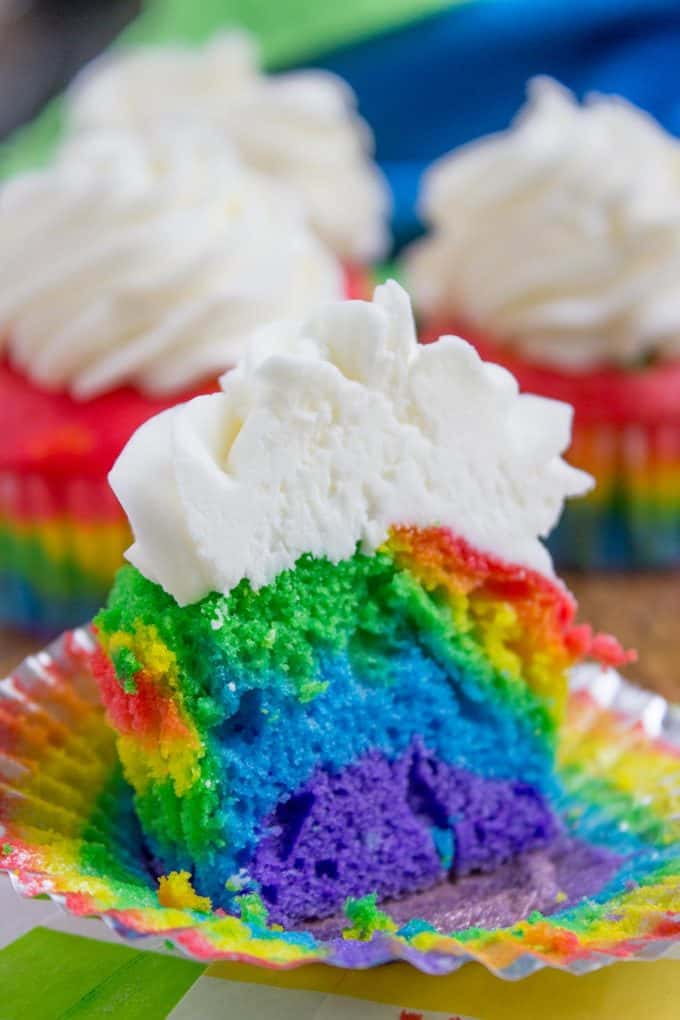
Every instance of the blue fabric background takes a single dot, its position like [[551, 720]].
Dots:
[[455, 76]]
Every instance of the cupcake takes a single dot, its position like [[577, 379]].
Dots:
[[300, 127], [336, 663], [132, 273], [555, 248]]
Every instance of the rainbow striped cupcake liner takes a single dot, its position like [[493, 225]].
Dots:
[[632, 517], [68, 831], [61, 542]]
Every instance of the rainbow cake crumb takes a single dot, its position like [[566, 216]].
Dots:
[[410, 698]]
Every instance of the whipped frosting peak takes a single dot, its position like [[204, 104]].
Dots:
[[561, 235], [299, 127], [149, 260], [330, 432]]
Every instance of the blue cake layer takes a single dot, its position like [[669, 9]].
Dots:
[[274, 745]]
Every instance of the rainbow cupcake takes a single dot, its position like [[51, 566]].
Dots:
[[555, 248], [133, 270], [337, 662]]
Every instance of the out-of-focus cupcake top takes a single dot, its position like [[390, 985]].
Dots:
[[149, 260], [560, 236], [299, 127], [327, 434]]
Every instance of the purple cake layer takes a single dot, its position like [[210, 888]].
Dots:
[[547, 880], [433, 817]]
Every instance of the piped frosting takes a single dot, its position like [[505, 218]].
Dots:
[[301, 127], [561, 235], [149, 260]]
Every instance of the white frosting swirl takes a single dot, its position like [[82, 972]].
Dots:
[[328, 433], [149, 260], [299, 127], [560, 235]]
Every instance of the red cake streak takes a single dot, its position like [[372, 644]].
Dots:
[[546, 606], [599, 395], [358, 283], [148, 712]]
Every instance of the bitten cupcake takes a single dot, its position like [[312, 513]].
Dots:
[[337, 665], [300, 127], [555, 248], [132, 273]]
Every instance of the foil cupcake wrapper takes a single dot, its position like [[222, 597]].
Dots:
[[61, 542], [68, 831], [632, 517]]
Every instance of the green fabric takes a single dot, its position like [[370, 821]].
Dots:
[[30, 146], [46, 975], [288, 31]]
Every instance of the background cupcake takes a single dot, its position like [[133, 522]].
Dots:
[[300, 128], [132, 273], [555, 246]]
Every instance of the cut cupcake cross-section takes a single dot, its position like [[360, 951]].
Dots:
[[337, 662]]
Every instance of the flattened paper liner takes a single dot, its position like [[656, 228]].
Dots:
[[68, 831]]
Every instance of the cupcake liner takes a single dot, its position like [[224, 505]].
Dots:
[[632, 517], [61, 542], [68, 831]]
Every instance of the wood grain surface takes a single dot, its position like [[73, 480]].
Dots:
[[642, 610]]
